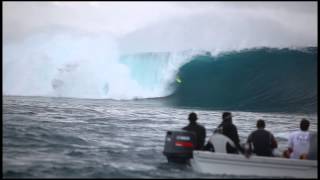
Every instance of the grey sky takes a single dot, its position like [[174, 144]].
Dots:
[[127, 20], [22, 18]]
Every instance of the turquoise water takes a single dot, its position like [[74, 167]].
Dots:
[[263, 79]]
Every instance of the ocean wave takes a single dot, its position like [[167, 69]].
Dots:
[[263, 79], [92, 66]]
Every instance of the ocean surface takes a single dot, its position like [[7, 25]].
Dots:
[[55, 137]]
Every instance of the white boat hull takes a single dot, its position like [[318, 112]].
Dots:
[[233, 164]]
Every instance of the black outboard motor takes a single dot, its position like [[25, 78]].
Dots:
[[179, 146]]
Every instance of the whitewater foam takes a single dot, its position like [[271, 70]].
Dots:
[[86, 66]]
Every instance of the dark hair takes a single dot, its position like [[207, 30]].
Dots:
[[227, 117], [261, 123], [193, 117], [304, 125]]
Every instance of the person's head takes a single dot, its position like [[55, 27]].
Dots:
[[193, 117], [227, 117], [261, 124], [304, 125]]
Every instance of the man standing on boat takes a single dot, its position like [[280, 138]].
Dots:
[[263, 141]]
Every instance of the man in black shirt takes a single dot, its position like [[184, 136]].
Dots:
[[263, 141], [230, 130], [197, 129]]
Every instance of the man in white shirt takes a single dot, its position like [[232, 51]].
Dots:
[[299, 141]]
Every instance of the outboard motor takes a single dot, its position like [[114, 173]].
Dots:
[[179, 146]]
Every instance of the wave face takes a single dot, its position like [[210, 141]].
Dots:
[[263, 79], [155, 72]]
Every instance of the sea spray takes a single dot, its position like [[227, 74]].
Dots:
[[82, 65], [86, 66]]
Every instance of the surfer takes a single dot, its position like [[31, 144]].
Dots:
[[198, 129], [178, 80], [262, 140]]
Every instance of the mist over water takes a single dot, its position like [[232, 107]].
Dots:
[[85, 66], [216, 32], [69, 65]]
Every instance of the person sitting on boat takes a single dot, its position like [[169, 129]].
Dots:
[[299, 142], [218, 142], [228, 129], [198, 129], [262, 140]]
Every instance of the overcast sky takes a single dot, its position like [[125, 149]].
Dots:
[[123, 19]]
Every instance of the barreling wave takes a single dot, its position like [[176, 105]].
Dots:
[[91, 66], [262, 79]]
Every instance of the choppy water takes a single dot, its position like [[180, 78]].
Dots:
[[64, 137]]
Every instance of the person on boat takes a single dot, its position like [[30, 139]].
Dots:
[[197, 129], [228, 129], [262, 140], [218, 142], [299, 142]]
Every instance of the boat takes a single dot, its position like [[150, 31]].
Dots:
[[236, 164], [179, 149]]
